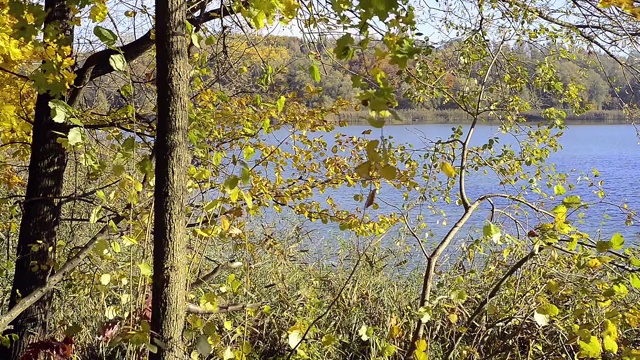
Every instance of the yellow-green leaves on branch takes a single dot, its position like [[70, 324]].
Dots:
[[376, 164], [260, 13]]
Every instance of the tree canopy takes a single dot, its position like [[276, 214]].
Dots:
[[161, 166]]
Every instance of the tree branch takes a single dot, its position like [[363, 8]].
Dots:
[[97, 64], [22, 77], [211, 275], [66, 268], [492, 294], [430, 271]]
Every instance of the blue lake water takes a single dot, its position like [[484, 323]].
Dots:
[[611, 149]]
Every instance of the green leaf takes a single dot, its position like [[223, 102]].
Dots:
[[492, 232], [295, 336], [344, 49], [548, 309], [609, 336], [363, 169], [328, 340], [231, 183], [95, 214], [73, 329], [107, 36], [145, 269], [544, 313], [610, 344], [372, 150], [617, 241], [603, 246], [541, 319], [75, 136], [559, 190], [202, 346], [280, 103], [126, 90], [389, 172], [117, 62], [377, 123], [572, 201], [635, 280], [195, 39], [315, 72], [459, 296]]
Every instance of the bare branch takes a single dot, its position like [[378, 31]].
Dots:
[[97, 64]]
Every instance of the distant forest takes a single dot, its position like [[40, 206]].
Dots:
[[280, 65]]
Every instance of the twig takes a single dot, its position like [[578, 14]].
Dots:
[[211, 275]]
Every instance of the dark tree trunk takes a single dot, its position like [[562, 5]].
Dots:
[[172, 161], [41, 211]]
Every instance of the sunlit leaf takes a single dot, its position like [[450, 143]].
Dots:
[[295, 336], [559, 190], [117, 62], [591, 348], [280, 103], [492, 232], [617, 241], [315, 72], [448, 169], [105, 279], [145, 269]]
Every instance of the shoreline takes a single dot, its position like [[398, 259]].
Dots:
[[458, 117]]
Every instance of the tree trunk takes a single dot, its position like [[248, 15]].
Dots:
[[41, 211], [169, 253]]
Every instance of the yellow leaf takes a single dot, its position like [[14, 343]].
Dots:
[[395, 331], [610, 344], [448, 169], [609, 336], [594, 263], [453, 318], [224, 223], [590, 349], [98, 12]]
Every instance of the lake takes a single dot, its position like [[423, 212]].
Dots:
[[611, 149]]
